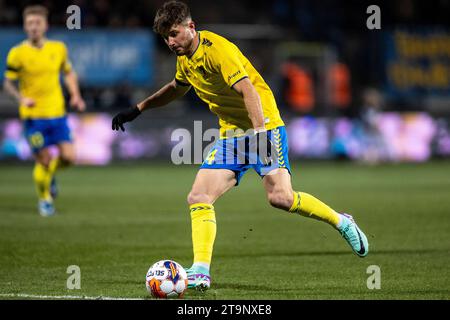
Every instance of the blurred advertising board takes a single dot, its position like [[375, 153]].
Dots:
[[388, 137], [417, 62], [100, 57]]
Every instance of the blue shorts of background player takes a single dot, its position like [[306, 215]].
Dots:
[[41, 133], [235, 154]]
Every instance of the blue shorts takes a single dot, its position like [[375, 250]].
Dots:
[[41, 133], [235, 154]]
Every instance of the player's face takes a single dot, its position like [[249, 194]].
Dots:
[[180, 37], [35, 26]]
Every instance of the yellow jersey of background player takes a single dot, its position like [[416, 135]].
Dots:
[[36, 64], [37, 70]]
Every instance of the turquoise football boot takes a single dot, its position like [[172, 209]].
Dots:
[[198, 278], [353, 235]]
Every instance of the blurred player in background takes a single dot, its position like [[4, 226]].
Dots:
[[36, 63], [223, 77]]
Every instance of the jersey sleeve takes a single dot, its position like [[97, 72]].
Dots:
[[180, 76], [66, 65], [225, 58], [13, 65]]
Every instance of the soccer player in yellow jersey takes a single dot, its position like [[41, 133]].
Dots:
[[36, 63], [226, 80]]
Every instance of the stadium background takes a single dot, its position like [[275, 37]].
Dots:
[[377, 99], [345, 91]]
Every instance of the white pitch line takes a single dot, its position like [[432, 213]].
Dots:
[[34, 296]]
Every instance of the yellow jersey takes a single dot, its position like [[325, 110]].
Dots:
[[38, 72], [213, 69]]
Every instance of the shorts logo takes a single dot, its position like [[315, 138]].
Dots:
[[36, 140]]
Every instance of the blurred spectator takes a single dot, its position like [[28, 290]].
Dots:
[[299, 89], [341, 95], [372, 105]]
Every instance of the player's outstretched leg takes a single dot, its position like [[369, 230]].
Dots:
[[309, 206], [281, 195]]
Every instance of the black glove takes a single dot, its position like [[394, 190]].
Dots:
[[264, 147], [125, 116]]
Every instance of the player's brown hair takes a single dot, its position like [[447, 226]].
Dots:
[[35, 9], [170, 14]]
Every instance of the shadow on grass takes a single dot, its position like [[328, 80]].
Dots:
[[329, 253], [283, 254], [249, 287], [23, 208]]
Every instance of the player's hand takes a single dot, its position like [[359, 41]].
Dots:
[[125, 116], [77, 103], [264, 147], [28, 102]]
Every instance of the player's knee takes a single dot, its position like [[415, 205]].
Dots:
[[281, 199], [197, 197], [44, 159], [45, 162]]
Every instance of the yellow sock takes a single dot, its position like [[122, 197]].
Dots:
[[309, 206], [203, 231], [53, 166], [42, 180]]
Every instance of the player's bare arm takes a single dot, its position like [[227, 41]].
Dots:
[[10, 88], [71, 81], [171, 91], [252, 102], [162, 97], [253, 105]]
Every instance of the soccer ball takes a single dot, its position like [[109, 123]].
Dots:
[[166, 279]]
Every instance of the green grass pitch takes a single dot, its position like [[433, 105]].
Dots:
[[114, 222]]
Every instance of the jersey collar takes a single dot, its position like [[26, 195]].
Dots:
[[44, 42], [196, 49]]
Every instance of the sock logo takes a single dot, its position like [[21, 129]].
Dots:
[[201, 208]]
